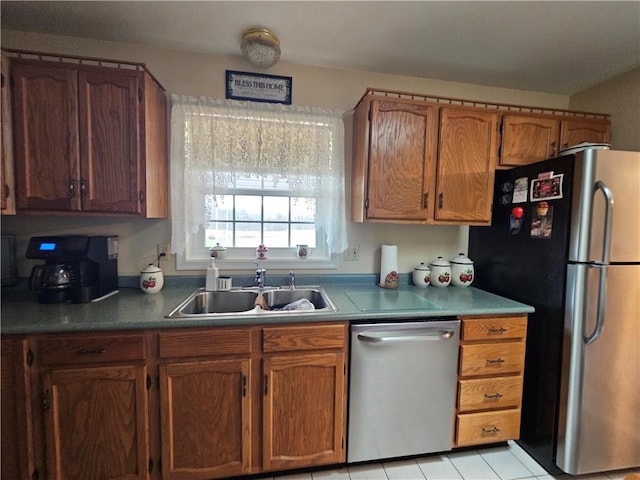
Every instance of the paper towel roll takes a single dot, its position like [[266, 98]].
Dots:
[[388, 261]]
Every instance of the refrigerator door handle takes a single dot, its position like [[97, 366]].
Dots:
[[602, 305], [608, 214]]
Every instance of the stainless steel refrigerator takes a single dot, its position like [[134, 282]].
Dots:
[[565, 238]]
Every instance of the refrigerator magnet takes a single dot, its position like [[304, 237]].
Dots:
[[520, 190], [542, 221], [547, 188], [515, 220]]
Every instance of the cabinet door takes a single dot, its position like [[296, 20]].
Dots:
[[96, 422], [110, 141], [17, 439], [303, 411], [46, 137], [401, 161], [578, 130], [7, 182], [527, 139], [206, 419], [466, 163]]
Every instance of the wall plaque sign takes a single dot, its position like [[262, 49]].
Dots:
[[258, 87]]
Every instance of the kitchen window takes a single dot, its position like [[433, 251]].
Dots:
[[248, 173]]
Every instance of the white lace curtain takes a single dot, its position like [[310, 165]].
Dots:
[[213, 141]]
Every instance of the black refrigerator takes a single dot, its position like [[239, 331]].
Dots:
[[565, 239]]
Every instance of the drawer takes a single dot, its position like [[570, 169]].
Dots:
[[493, 328], [489, 393], [74, 349], [204, 343], [491, 358], [487, 427], [305, 337]]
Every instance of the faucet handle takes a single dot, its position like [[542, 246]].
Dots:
[[292, 281]]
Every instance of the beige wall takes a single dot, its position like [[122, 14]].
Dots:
[[200, 74], [620, 97]]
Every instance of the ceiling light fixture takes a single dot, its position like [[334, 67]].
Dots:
[[260, 47]]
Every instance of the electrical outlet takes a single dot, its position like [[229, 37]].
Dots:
[[351, 254], [162, 252]]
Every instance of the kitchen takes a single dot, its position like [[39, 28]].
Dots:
[[314, 86]]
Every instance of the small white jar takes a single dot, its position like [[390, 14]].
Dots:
[[151, 279], [440, 272], [220, 251], [421, 275], [461, 271]]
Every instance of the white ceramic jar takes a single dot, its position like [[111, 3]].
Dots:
[[461, 271], [421, 275], [440, 272], [151, 279]]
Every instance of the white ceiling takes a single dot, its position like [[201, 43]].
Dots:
[[550, 46]]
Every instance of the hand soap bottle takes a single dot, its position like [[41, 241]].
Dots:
[[212, 275]]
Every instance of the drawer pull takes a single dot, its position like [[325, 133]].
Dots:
[[487, 431], [494, 361], [86, 351], [493, 331], [492, 396]]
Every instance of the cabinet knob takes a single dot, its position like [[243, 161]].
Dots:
[[72, 187]]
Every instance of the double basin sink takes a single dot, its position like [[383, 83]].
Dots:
[[245, 301]]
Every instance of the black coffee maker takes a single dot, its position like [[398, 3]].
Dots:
[[79, 268]]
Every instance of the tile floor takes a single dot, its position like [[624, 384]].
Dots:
[[508, 462]]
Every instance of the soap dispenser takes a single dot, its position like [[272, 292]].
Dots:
[[212, 275]]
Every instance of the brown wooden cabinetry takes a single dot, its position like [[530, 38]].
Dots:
[[304, 370], [89, 139], [206, 403], [490, 378], [578, 130], [17, 424], [7, 186], [530, 137], [94, 403], [467, 152], [421, 162]]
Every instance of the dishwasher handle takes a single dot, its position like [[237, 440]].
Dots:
[[406, 336]]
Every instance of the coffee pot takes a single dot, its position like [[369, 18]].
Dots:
[[52, 282]]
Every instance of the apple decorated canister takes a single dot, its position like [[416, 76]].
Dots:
[[151, 279], [440, 272], [421, 275], [461, 271]]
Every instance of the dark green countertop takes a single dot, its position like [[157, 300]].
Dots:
[[132, 309]]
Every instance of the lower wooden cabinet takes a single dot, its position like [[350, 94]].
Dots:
[[205, 403], [96, 423], [94, 406], [303, 411], [17, 445], [490, 376]]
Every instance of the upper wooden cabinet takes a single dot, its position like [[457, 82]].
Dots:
[[467, 151], [420, 162], [89, 139], [578, 130], [7, 187], [530, 137], [394, 161]]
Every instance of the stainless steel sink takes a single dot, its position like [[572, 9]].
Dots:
[[241, 302]]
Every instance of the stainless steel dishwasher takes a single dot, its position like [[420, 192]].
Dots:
[[402, 388]]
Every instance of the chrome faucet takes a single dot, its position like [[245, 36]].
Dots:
[[292, 281], [259, 280]]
